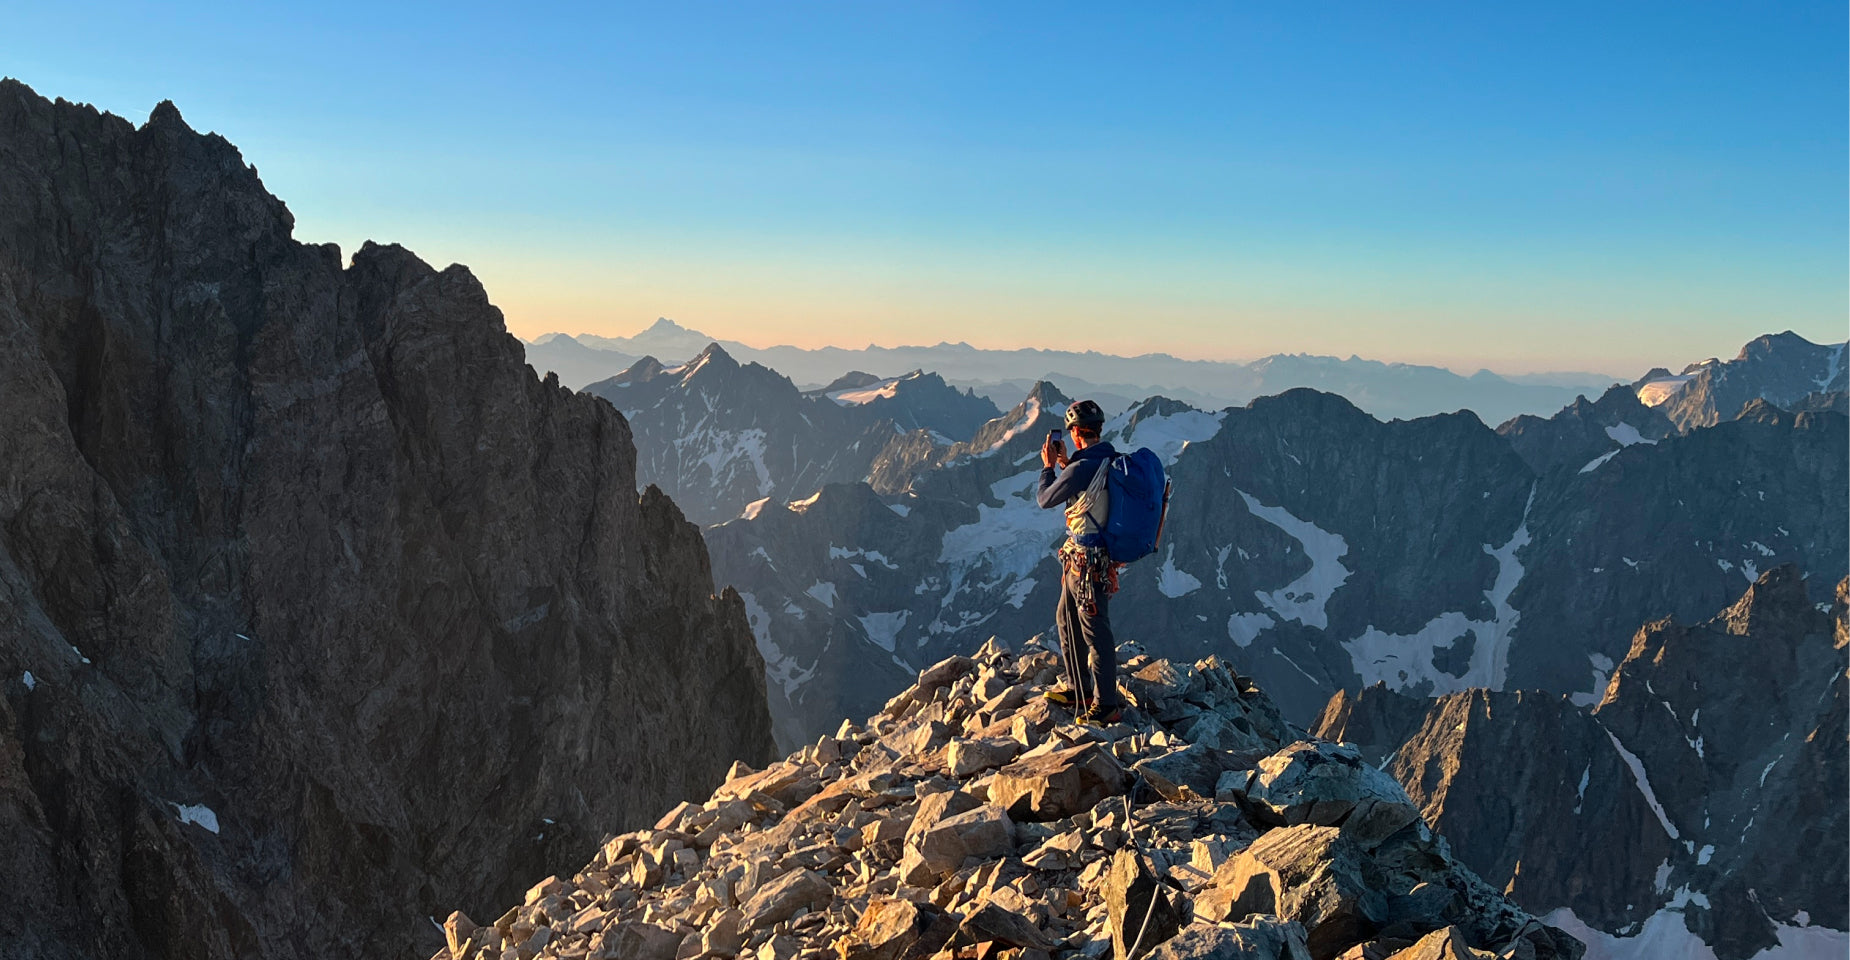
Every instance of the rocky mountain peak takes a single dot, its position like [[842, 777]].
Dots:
[[1047, 395], [1774, 605], [1768, 344], [971, 817], [713, 361], [642, 371]]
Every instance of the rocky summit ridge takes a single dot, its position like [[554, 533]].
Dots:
[[972, 818]]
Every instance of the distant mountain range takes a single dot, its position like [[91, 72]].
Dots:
[[1386, 390], [718, 435]]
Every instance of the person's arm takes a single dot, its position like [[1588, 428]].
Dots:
[[1057, 490]]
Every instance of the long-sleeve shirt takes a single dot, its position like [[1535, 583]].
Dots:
[[1059, 490]]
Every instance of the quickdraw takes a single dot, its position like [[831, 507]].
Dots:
[[1092, 569]]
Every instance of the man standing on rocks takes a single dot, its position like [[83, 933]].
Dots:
[[1088, 578]]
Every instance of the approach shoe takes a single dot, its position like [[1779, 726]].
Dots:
[[1097, 716], [1062, 695]]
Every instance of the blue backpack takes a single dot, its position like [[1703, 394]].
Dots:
[[1139, 498]]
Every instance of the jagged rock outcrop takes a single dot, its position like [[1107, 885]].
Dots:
[[719, 435], [875, 843], [320, 608], [1703, 793]]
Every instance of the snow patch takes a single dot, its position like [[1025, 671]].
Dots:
[[724, 453], [842, 553], [1030, 412], [1171, 581], [857, 396], [1242, 628], [1665, 936], [824, 591], [1594, 463], [1404, 661], [1626, 435], [1018, 592], [27, 679], [1166, 435], [1830, 373], [1657, 391], [1005, 543], [1644, 783], [754, 508], [899, 508], [1303, 599], [779, 668], [198, 814], [883, 628]]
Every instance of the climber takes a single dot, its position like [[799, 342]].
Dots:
[[1088, 578]]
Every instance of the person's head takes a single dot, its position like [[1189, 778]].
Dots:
[[1084, 420]]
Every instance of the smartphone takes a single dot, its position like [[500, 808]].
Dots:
[[1054, 436]]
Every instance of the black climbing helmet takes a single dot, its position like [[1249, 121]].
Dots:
[[1085, 413]]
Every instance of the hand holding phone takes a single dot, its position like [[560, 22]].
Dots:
[[1053, 452]]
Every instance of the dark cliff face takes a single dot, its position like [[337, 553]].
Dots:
[[1708, 781], [321, 611]]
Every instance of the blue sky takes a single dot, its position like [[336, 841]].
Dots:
[[1523, 187]]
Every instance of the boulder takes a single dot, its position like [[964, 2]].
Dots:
[[636, 940], [1261, 939], [1220, 731], [1057, 785], [1329, 784], [993, 923], [1139, 910], [776, 901], [965, 757], [898, 930], [1311, 874], [983, 833], [942, 674], [1446, 944], [936, 807], [1186, 774]]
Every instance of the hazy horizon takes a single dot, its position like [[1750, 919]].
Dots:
[[1674, 365], [1569, 188]]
